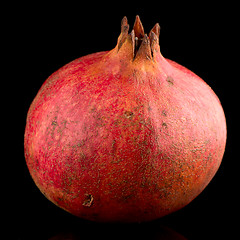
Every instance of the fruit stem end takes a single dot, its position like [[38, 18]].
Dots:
[[142, 45]]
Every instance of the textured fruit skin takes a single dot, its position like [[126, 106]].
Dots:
[[112, 139]]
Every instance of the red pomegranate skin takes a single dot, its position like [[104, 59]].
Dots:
[[124, 135]]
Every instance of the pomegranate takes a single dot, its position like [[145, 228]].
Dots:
[[124, 135]]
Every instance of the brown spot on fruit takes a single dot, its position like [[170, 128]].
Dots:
[[170, 80], [164, 125], [54, 122], [164, 113], [128, 114], [88, 200]]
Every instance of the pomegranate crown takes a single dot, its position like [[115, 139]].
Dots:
[[142, 45]]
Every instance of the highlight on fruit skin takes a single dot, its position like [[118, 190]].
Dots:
[[124, 135]]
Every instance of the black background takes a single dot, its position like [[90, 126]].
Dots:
[[40, 38]]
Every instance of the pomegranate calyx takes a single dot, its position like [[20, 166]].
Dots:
[[144, 49], [144, 46], [124, 32], [156, 30], [138, 28]]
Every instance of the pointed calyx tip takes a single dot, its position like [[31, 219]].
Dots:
[[143, 45], [138, 28]]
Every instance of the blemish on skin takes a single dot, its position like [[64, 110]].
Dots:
[[164, 113], [170, 80], [164, 125], [127, 197], [114, 147], [54, 122], [88, 200], [128, 114]]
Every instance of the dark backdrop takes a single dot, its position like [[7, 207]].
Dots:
[[43, 37]]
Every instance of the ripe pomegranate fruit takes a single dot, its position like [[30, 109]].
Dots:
[[124, 135]]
